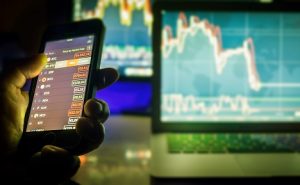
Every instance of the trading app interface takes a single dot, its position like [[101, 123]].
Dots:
[[60, 89], [127, 45], [230, 67]]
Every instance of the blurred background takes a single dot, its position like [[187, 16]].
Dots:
[[124, 156]]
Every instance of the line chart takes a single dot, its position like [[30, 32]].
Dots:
[[128, 29], [225, 67]]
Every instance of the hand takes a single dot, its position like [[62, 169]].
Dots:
[[52, 164]]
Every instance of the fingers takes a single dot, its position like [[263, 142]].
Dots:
[[90, 128], [26, 69], [53, 164], [105, 77], [34, 66], [92, 135], [97, 110]]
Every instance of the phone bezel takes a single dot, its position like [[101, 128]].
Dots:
[[67, 138]]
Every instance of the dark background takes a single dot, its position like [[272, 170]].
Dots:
[[22, 23]]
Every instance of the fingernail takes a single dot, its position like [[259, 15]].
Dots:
[[51, 148], [98, 108], [44, 58], [103, 114], [55, 155]]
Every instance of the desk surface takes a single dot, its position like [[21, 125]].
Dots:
[[123, 159]]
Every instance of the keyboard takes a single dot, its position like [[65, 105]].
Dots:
[[233, 143]]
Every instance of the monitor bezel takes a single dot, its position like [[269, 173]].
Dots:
[[157, 124]]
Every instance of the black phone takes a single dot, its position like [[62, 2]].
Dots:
[[58, 94]]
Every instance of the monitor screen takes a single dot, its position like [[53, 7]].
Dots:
[[127, 45], [230, 67]]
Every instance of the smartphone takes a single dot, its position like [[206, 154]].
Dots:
[[58, 94]]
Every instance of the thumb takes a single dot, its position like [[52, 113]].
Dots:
[[33, 66], [26, 69]]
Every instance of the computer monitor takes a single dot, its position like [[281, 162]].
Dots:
[[233, 67], [127, 45]]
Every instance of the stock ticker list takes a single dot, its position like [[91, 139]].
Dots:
[[60, 90]]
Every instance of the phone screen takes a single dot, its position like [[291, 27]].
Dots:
[[60, 89]]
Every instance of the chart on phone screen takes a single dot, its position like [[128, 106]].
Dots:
[[60, 89]]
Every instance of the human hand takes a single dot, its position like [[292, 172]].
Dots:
[[51, 164]]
